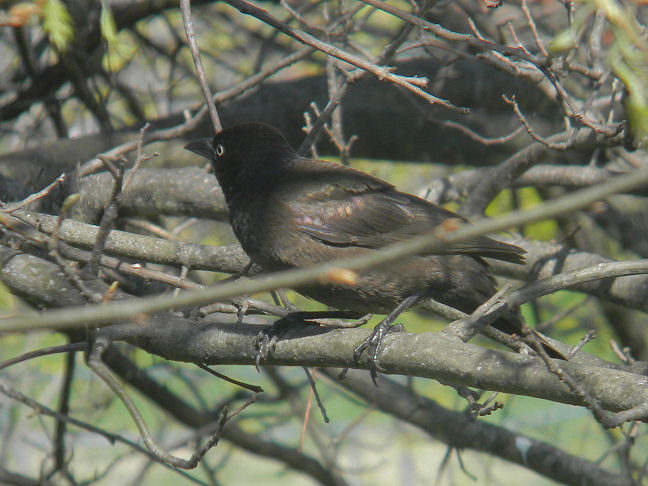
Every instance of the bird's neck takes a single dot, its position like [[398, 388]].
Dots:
[[261, 171]]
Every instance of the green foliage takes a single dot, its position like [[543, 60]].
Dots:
[[568, 39], [627, 55], [57, 23], [118, 49], [107, 24]]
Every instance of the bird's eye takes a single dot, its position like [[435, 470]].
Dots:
[[220, 149]]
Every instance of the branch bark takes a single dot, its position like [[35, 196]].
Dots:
[[461, 431], [427, 355]]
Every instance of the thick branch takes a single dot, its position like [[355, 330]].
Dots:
[[427, 355], [228, 259], [461, 431], [153, 192], [434, 240]]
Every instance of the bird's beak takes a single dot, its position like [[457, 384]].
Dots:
[[202, 146]]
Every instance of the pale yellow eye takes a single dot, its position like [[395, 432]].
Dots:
[[220, 149]]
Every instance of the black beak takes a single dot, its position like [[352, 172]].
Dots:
[[202, 146]]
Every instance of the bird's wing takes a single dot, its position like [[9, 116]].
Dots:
[[354, 209]]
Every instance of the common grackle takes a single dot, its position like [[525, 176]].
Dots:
[[289, 211]]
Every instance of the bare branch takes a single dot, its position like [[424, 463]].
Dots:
[[425, 243], [187, 21]]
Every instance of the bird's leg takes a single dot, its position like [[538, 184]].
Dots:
[[236, 276], [267, 339], [374, 341], [281, 298]]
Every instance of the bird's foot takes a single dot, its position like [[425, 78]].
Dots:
[[242, 306], [267, 339], [374, 341], [373, 344]]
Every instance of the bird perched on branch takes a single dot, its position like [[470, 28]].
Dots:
[[289, 211]]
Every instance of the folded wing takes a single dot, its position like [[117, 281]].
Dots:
[[359, 210]]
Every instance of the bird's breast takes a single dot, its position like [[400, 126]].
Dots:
[[266, 229]]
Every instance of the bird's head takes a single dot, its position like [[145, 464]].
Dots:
[[244, 154]]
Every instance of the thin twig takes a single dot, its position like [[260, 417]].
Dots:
[[481, 139], [187, 21], [336, 95], [381, 72], [311, 381], [64, 409], [486, 313], [623, 354], [590, 402], [589, 335], [140, 158], [242, 384], [454, 37], [96, 364], [110, 437], [64, 348], [429, 242], [516, 108], [107, 219], [515, 36], [36, 196], [534, 30], [191, 122]]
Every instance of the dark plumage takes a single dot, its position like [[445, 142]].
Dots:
[[289, 211]]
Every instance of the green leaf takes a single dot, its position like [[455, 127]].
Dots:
[[109, 32], [57, 23], [107, 22], [563, 41]]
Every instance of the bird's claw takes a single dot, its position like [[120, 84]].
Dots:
[[268, 338], [265, 344], [242, 306], [373, 344]]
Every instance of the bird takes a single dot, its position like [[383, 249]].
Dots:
[[289, 211]]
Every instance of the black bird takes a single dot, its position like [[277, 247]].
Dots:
[[289, 211]]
